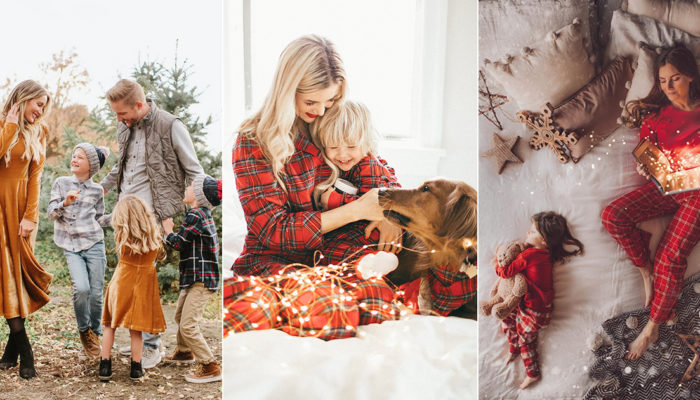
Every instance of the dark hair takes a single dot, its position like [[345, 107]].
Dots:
[[683, 59], [555, 232]]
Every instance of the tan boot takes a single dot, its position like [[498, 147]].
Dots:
[[180, 357], [205, 373], [89, 346]]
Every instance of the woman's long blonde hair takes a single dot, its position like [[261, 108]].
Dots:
[[306, 65], [135, 226], [30, 133], [348, 123]]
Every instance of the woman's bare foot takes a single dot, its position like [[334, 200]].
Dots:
[[511, 358], [648, 336], [529, 380], [648, 279]]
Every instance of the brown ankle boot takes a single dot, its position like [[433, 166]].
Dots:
[[205, 373], [90, 345]]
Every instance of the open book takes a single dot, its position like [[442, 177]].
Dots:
[[662, 174]]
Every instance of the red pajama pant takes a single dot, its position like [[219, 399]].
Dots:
[[521, 327], [620, 218]]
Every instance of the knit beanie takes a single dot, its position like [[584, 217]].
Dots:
[[96, 156], [206, 191]]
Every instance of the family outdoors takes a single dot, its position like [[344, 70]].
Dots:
[[156, 175], [309, 177]]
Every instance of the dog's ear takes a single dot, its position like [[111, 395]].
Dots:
[[460, 214]]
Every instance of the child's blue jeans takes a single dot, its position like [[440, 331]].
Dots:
[[87, 273]]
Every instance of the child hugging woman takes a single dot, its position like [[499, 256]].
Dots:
[[545, 242], [132, 300], [348, 141]]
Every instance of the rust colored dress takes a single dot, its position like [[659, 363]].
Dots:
[[132, 300], [24, 285]]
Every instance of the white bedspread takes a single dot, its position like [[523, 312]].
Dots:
[[416, 358], [588, 289]]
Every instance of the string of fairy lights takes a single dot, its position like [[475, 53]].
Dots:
[[316, 300]]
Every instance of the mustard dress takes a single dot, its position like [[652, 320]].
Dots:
[[132, 300], [24, 284]]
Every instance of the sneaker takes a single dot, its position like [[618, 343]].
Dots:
[[151, 357], [91, 348], [125, 350], [105, 370], [205, 373], [137, 371], [180, 357]]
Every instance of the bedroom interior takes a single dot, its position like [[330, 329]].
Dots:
[[425, 356], [555, 73]]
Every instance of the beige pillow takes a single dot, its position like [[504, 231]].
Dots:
[[548, 71], [643, 79], [593, 112], [682, 14], [627, 30]]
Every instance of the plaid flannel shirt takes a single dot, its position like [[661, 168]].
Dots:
[[370, 172], [197, 243], [76, 227], [283, 227]]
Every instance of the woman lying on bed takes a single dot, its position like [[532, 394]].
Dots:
[[277, 168], [669, 117]]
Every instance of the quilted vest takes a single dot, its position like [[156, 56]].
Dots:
[[164, 171]]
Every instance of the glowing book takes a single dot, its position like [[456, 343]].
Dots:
[[659, 167]]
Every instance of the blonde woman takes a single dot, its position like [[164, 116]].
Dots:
[[132, 300], [23, 282], [277, 167]]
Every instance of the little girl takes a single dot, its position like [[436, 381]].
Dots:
[[546, 239], [348, 141], [132, 300]]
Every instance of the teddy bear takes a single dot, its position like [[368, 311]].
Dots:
[[506, 294]]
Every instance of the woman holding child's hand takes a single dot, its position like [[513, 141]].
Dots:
[[23, 282]]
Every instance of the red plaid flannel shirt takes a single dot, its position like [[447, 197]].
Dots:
[[282, 227], [370, 172]]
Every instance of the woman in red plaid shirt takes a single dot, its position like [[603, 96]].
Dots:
[[277, 168], [669, 116]]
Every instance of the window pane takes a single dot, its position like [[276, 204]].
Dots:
[[375, 39]]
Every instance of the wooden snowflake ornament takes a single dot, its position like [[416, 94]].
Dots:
[[546, 133], [692, 341], [502, 152]]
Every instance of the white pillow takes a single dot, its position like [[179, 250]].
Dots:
[[682, 14], [546, 72], [627, 30], [505, 26]]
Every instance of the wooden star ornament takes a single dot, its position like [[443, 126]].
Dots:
[[692, 341], [502, 152]]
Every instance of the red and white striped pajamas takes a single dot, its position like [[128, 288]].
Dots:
[[620, 218], [521, 327]]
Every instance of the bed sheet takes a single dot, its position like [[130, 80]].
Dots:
[[588, 289], [420, 357]]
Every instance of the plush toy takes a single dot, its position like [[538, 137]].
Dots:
[[506, 294]]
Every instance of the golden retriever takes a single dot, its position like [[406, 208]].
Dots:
[[441, 215]]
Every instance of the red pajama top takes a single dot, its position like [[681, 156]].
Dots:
[[282, 226], [677, 134], [370, 172], [536, 267]]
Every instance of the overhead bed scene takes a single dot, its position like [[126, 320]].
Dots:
[[554, 136]]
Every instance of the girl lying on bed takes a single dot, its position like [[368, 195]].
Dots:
[[670, 117], [277, 168], [546, 239]]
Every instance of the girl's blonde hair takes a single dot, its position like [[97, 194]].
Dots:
[[31, 133], [306, 65], [135, 226], [348, 123]]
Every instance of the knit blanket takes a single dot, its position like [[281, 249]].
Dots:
[[657, 374]]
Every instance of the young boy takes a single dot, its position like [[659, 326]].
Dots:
[[76, 207], [199, 276]]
